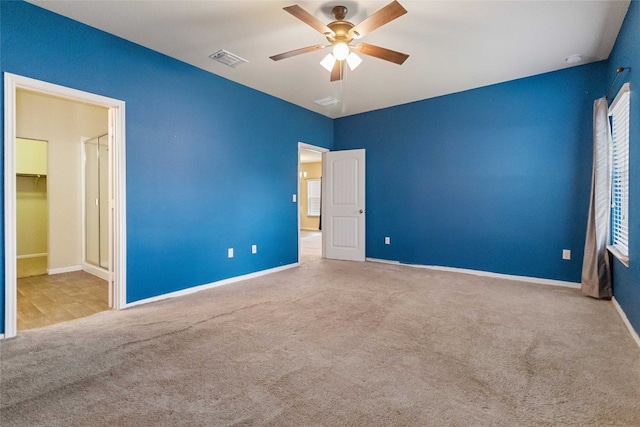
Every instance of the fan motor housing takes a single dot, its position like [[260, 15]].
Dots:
[[341, 30]]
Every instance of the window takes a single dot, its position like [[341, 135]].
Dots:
[[313, 197], [619, 113]]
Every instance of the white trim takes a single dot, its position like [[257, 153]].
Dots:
[[10, 245], [117, 128], [625, 320], [382, 261], [96, 271], [212, 285], [537, 280], [118, 262], [63, 270], [32, 256]]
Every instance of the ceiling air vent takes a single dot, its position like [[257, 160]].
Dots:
[[327, 102], [228, 58]]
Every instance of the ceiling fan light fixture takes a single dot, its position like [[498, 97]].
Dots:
[[341, 33], [353, 61], [340, 51], [328, 62]]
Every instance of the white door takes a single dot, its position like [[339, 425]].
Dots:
[[343, 204]]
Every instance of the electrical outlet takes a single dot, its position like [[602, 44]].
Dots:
[[254, 249], [230, 252], [566, 254], [295, 198], [387, 240]]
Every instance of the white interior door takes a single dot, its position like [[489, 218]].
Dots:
[[343, 204]]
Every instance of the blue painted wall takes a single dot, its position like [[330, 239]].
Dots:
[[626, 53], [494, 179], [210, 164]]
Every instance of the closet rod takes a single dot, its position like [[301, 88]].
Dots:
[[32, 175]]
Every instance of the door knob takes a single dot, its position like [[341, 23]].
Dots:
[[361, 211]]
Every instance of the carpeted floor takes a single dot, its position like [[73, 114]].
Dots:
[[333, 343]]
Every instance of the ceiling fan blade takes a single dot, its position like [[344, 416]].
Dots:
[[297, 52], [381, 52], [385, 15], [309, 19], [336, 72]]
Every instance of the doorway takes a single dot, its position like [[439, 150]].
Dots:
[[114, 109], [31, 207], [309, 201]]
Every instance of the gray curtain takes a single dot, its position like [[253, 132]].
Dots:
[[596, 271]]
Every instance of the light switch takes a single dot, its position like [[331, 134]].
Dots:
[[295, 198]]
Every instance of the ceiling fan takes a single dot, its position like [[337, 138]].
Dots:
[[341, 33]]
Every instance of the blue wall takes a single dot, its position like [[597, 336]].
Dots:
[[626, 53], [210, 164], [493, 179]]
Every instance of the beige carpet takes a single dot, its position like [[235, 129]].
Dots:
[[329, 344]]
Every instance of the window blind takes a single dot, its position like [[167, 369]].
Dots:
[[619, 112], [313, 197]]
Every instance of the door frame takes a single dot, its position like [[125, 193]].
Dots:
[[305, 146], [117, 140]]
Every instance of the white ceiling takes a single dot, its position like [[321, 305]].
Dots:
[[453, 45]]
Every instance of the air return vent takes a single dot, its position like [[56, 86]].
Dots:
[[327, 102], [228, 58]]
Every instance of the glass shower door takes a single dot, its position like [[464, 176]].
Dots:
[[96, 202]]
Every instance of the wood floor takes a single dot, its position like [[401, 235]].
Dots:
[[47, 299]]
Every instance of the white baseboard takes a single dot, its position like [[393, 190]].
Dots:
[[199, 288], [96, 271], [382, 261], [64, 269], [625, 319], [538, 280]]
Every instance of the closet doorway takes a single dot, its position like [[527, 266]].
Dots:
[[87, 115], [32, 208]]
